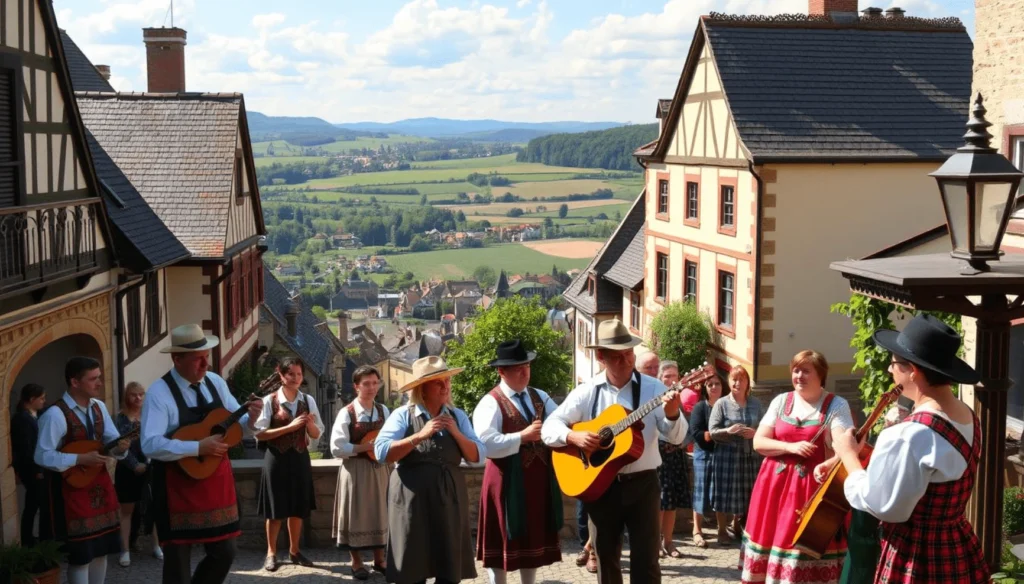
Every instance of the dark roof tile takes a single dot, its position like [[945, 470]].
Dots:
[[308, 343], [84, 76]]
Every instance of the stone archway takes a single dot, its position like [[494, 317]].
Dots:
[[19, 343]]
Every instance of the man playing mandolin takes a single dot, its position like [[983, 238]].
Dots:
[[632, 501], [190, 511], [86, 519]]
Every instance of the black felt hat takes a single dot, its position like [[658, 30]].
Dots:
[[931, 344], [512, 353]]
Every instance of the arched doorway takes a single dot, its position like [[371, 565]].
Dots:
[[46, 366]]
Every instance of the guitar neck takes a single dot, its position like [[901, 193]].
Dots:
[[236, 415], [883, 403], [636, 416], [113, 443]]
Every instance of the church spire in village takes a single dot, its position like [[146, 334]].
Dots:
[[502, 290]]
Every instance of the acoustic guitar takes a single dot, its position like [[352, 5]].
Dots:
[[79, 477], [587, 477], [368, 439], [825, 512]]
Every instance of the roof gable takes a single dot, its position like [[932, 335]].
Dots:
[[84, 76], [809, 89], [308, 343]]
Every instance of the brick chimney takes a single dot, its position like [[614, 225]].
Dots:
[[841, 9], [165, 59], [342, 325], [291, 314], [104, 71]]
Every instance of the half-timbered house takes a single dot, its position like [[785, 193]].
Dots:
[[55, 242], [790, 142]]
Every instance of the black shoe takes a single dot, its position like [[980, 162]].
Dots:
[[300, 560], [271, 564]]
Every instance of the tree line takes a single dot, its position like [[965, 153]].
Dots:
[[611, 149]]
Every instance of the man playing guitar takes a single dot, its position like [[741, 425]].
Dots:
[[632, 502], [190, 511]]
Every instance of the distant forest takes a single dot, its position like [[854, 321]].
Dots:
[[611, 149]]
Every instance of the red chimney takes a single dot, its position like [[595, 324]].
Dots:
[[165, 59], [104, 71], [832, 8]]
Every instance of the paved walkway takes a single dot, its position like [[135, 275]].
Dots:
[[713, 565]]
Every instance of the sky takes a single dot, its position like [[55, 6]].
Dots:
[[387, 60]]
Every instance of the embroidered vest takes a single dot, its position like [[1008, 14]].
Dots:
[[76, 427], [358, 430], [296, 440], [512, 421]]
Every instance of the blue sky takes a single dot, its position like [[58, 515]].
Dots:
[[385, 60]]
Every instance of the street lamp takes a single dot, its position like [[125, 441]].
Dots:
[[978, 187]]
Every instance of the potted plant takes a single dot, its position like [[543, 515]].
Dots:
[[38, 564]]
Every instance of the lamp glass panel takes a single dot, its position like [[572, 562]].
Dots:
[[954, 197], [990, 205]]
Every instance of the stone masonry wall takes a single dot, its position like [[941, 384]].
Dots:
[[999, 62]]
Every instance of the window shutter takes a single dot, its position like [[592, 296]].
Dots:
[[8, 139]]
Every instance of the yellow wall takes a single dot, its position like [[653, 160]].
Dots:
[[825, 213], [241, 221], [186, 303]]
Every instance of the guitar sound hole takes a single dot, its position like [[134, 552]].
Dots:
[[606, 437]]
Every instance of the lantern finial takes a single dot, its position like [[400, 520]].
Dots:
[[977, 137]]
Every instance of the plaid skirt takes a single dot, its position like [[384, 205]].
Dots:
[[735, 471], [674, 476], [703, 468]]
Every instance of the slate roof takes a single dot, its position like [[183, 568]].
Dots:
[[608, 297], [308, 343], [628, 270], [807, 88], [141, 237], [179, 152], [84, 76]]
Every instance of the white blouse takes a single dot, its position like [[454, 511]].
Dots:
[[263, 421], [487, 419], [907, 458], [341, 441], [842, 418]]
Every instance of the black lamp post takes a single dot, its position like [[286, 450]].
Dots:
[[978, 186]]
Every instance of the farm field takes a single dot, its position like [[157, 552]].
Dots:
[[514, 258], [262, 161], [283, 148], [419, 175], [567, 248]]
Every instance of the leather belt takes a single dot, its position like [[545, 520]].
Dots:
[[626, 477]]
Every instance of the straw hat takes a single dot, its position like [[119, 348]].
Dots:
[[429, 369], [612, 334], [189, 338]]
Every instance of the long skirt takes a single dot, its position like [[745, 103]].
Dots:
[[702, 476], [674, 477], [361, 505], [735, 471], [286, 488]]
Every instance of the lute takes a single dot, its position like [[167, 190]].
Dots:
[[80, 477]]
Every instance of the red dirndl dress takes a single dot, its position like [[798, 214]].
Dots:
[[539, 545], [937, 543], [783, 486]]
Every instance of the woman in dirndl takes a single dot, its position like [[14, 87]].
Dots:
[[289, 421], [788, 436], [673, 474], [428, 504], [733, 423], [360, 502], [703, 454], [132, 476], [921, 473]]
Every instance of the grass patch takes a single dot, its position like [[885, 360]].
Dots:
[[459, 263], [270, 160]]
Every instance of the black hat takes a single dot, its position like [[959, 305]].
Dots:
[[512, 353], [931, 344]]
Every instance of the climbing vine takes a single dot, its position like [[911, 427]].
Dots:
[[869, 315]]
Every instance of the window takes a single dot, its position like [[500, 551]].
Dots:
[[250, 275], [154, 322], [239, 178], [244, 286], [663, 196], [590, 285], [661, 287], [12, 226], [634, 310], [726, 298], [690, 287], [134, 320], [230, 310], [728, 207], [692, 200]]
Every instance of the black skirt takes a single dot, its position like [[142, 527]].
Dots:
[[128, 484], [286, 488]]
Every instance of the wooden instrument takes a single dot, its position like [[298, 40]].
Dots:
[[368, 439], [79, 477], [825, 512], [587, 477]]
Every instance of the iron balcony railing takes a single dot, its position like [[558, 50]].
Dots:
[[42, 244]]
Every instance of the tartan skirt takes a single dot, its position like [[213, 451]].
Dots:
[[735, 471], [674, 477], [703, 468]]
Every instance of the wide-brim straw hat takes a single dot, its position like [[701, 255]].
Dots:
[[613, 335], [189, 338], [429, 369]]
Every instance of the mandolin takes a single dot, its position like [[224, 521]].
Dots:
[[825, 512], [587, 477], [79, 477]]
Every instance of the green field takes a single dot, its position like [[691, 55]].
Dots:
[[282, 147], [504, 159], [269, 160], [514, 258]]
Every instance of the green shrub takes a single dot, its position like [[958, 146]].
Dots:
[[1013, 511], [681, 333]]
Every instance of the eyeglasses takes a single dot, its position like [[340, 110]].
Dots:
[[896, 361]]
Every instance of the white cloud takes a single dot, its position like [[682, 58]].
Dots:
[[522, 3]]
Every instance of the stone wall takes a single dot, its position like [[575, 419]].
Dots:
[[999, 62], [317, 530]]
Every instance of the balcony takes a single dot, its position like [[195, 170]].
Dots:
[[44, 244]]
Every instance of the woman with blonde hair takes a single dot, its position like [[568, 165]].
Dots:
[[361, 504], [428, 505], [788, 436], [132, 476], [733, 422]]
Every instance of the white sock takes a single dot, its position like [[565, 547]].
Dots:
[[78, 574], [528, 575], [495, 576], [98, 570]]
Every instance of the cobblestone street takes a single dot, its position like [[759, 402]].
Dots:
[[713, 565]]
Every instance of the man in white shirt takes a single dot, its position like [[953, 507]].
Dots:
[[508, 421], [632, 502], [86, 519], [190, 511]]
